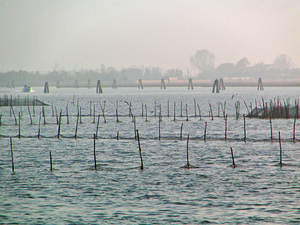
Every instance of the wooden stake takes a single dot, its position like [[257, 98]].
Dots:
[[294, 129], [12, 155], [212, 116], [195, 108], [181, 131], [226, 128], [186, 110], [94, 114], [59, 124], [19, 125], [181, 109], [205, 131], [187, 152], [245, 135], [39, 130], [146, 112], [76, 126], [140, 150], [159, 129], [199, 111], [134, 127], [271, 128], [67, 112], [51, 168], [95, 159], [280, 155], [174, 111], [233, 163]]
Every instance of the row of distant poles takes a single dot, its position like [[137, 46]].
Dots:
[[217, 86]]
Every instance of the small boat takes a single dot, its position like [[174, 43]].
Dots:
[[27, 88]]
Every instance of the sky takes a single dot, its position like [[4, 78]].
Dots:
[[85, 34]]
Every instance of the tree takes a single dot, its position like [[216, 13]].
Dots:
[[283, 62], [242, 63], [203, 60]]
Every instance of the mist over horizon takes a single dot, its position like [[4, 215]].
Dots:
[[73, 35]]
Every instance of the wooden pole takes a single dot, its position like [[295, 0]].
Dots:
[[187, 152], [19, 125], [195, 108], [12, 155], [134, 127], [12, 109], [51, 167], [94, 114], [76, 125], [43, 112], [59, 124], [39, 130], [186, 110], [80, 115], [280, 155], [245, 133], [146, 112], [205, 131], [226, 128], [174, 111], [233, 163], [67, 112], [294, 129], [95, 159], [159, 129], [212, 116], [140, 150], [181, 109], [155, 108], [181, 131], [142, 109], [199, 111]]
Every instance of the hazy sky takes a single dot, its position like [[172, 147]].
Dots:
[[75, 34]]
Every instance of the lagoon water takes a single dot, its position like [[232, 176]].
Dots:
[[257, 191]]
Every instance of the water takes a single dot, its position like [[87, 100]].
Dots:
[[118, 192]]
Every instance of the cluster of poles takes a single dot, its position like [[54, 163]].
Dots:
[[187, 166]]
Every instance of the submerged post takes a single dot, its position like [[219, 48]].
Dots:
[[46, 87], [216, 87], [233, 163], [162, 84], [187, 152], [140, 150], [280, 154], [51, 168], [190, 84], [245, 135], [260, 85], [12, 155], [99, 87], [140, 84], [95, 159]]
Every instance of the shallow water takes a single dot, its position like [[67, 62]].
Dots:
[[118, 192]]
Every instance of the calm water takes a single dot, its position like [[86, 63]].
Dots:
[[118, 192]]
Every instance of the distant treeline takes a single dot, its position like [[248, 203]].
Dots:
[[19, 78], [68, 78]]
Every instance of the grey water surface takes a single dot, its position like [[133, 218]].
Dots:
[[257, 191]]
